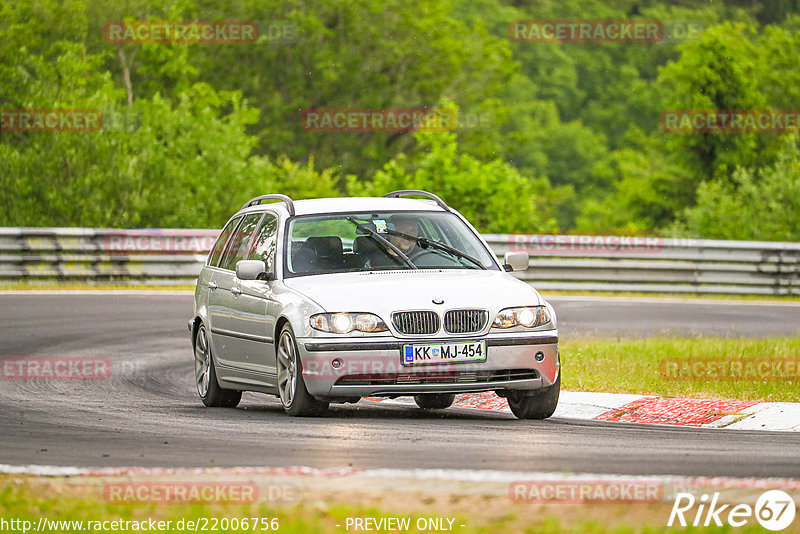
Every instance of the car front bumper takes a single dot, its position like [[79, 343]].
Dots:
[[373, 367]]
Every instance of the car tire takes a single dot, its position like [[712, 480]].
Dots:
[[539, 405], [292, 392], [206, 375], [435, 401]]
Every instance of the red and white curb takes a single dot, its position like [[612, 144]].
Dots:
[[648, 409]]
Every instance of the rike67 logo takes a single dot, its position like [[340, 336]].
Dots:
[[774, 510]]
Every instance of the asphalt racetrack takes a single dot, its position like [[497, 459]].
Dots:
[[147, 413]]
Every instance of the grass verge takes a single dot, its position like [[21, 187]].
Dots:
[[648, 367]]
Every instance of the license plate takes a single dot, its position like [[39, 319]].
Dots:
[[474, 351]]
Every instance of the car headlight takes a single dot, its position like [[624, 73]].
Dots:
[[342, 323], [527, 316]]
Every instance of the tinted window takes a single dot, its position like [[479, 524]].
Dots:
[[216, 252], [237, 247], [264, 244]]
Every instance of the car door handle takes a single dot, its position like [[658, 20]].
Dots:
[[212, 286], [236, 291]]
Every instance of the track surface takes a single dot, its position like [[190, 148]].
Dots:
[[148, 414]]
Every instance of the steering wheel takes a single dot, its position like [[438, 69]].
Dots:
[[420, 252]]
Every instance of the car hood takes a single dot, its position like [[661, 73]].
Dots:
[[387, 291]]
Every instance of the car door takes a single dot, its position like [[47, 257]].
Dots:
[[255, 308], [209, 280], [229, 347]]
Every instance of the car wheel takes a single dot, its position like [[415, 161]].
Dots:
[[434, 401], [292, 390], [206, 376], [540, 405]]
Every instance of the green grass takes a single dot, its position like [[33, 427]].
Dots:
[[633, 366]]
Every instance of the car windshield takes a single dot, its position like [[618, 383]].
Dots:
[[373, 241]]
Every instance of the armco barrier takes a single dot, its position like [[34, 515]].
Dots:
[[158, 257], [564, 262]]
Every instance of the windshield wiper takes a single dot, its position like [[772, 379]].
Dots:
[[383, 241], [424, 242]]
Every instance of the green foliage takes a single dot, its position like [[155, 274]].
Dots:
[[759, 205], [658, 176], [493, 195], [648, 189], [570, 141], [721, 71], [356, 54]]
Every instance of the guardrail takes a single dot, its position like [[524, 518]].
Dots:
[[563, 262]]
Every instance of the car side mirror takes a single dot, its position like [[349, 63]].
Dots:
[[251, 270], [516, 261]]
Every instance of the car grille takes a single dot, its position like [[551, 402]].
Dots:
[[465, 321], [441, 377], [416, 322]]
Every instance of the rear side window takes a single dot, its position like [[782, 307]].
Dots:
[[237, 246], [263, 247], [216, 252]]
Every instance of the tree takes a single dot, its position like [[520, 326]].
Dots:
[[760, 204], [493, 195]]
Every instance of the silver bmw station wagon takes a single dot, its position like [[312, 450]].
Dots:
[[332, 300]]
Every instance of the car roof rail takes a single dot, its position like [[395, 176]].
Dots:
[[286, 200], [407, 192]]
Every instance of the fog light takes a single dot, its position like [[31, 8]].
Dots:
[[336, 363], [539, 356]]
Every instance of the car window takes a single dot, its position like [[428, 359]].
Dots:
[[263, 247], [237, 246], [334, 243], [216, 252]]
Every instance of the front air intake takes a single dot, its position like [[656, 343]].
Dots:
[[465, 321], [416, 322]]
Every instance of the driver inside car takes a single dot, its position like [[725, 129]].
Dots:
[[405, 224], [408, 225]]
